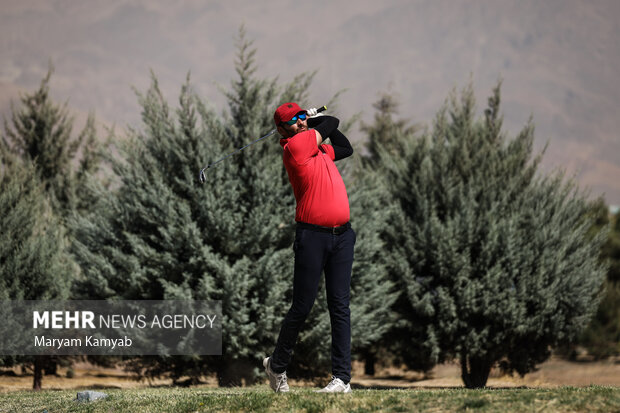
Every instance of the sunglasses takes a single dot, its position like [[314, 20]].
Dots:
[[293, 120]]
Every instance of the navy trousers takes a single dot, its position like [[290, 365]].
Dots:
[[314, 252]]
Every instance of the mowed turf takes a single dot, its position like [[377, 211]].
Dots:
[[261, 399]]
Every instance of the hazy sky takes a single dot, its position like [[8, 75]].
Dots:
[[558, 60]]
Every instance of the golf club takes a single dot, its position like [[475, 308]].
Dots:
[[202, 176]]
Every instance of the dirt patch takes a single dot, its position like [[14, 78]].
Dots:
[[86, 375], [553, 373]]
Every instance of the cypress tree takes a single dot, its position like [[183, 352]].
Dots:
[[496, 263], [385, 131], [373, 291], [372, 206], [32, 246], [33, 260], [41, 132], [602, 336], [162, 236]]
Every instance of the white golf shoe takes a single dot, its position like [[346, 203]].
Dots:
[[277, 381], [336, 386]]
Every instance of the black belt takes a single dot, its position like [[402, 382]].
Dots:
[[332, 230]]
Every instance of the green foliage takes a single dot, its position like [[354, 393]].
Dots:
[[41, 131], [614, 247], [162, 235], [611, 249], [384, 139], [385, 132], [373, 293], [602, 337], [34, 264], [495, 264], [40, 134]]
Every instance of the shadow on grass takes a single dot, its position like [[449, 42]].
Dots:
[[108, 375], [358, 386], [85, 387]]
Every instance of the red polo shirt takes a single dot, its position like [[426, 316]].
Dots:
[[319, 190]]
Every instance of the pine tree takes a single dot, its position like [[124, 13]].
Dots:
[[602, 336], [372, 205], [33, 260], [385, 131], [162, 236], [373, 291], [41, 132], [496, 263]]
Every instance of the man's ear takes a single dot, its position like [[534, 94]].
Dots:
[[282, 131]]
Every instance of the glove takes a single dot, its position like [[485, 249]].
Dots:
[[313, 113]]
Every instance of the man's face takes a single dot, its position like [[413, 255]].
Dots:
[[288, 131]]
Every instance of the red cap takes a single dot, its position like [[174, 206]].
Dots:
[[286, 112]]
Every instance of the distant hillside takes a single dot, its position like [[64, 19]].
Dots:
[[558, 59]]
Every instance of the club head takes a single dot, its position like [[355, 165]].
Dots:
[[202, 176]]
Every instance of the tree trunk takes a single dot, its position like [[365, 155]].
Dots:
[[475, 371], [236, 373], [369, 364], [51, 367], [39, 361]]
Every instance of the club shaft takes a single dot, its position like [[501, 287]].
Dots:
[[240, 149], [202, 177]]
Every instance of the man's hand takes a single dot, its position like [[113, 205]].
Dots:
[[313, 112]]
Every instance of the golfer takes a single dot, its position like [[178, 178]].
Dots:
[[324, 239]]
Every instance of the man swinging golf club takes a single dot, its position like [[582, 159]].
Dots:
[[324, 239]]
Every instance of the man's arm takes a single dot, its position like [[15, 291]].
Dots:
[[342, 146], [327, 127], [324, 127]]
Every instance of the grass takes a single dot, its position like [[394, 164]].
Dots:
[[261, 399]]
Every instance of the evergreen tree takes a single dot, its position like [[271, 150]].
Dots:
[[33, 261], [602, 337], [384, 133], [611, 249], [496, 263], [41, 132], [162, 235], [373, 291], [383, 140]]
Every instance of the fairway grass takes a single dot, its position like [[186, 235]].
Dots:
[[262, 399]]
